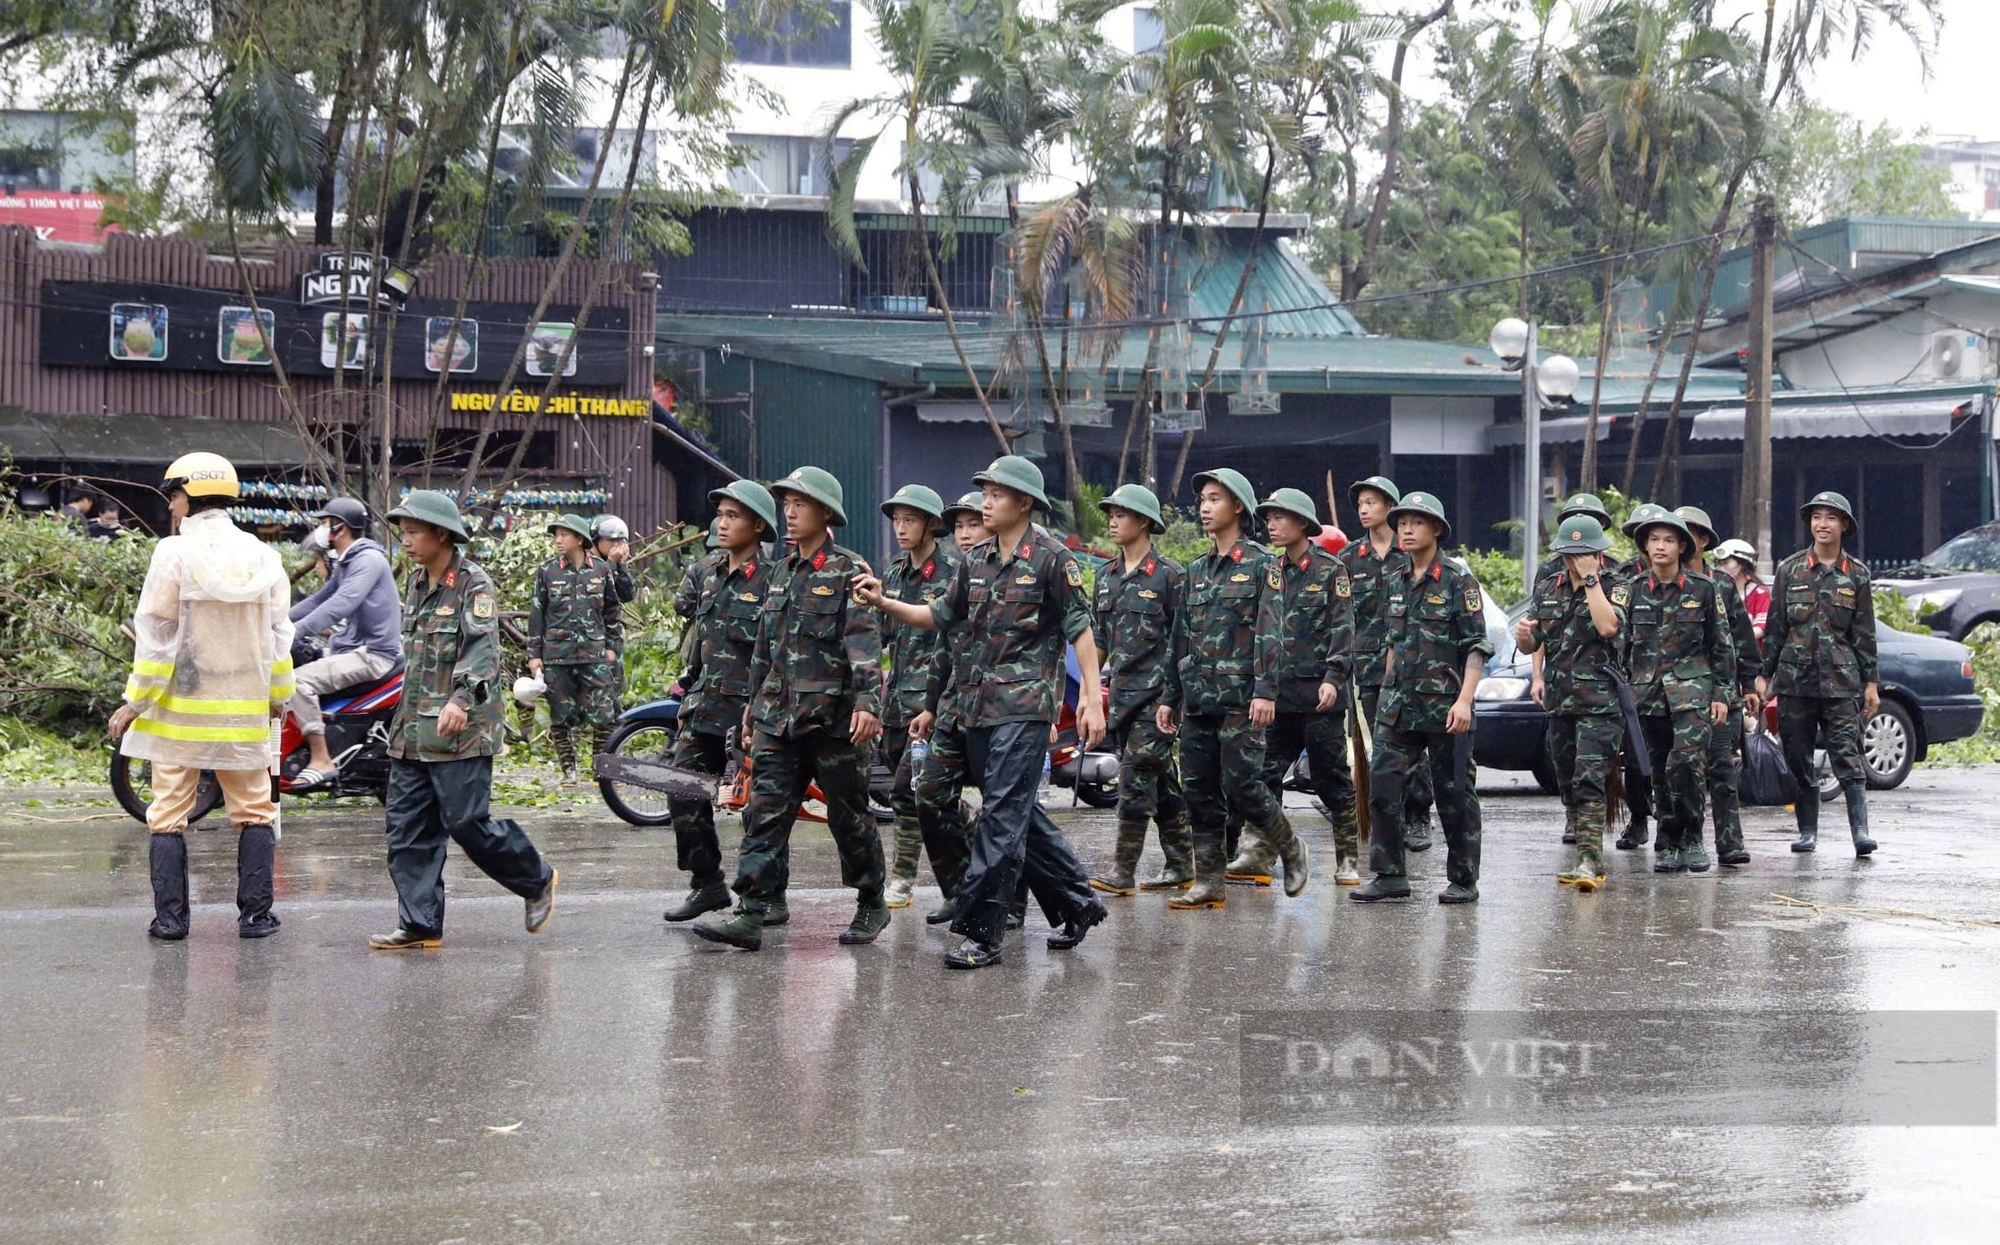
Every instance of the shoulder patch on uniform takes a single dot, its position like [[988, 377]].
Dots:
[[1272, 576], [1073, 573], [1621, 595], [1472, 600], [1343, 586], [482, 605]]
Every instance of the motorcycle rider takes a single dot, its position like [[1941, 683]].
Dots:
[[358, 603], [211, 664]]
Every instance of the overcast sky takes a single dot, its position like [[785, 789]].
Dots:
[[1888, 84]]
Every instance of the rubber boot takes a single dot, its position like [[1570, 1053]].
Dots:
[[1208, 888], [1255, 861], [1177, 842], [1291, 853], [1569, 824], [903, 867], [1807, 810], [565, 754], [169, 861], [1417, 831], [1346, 846], [1857, 817], [707, 895], [1381, 886], [256, 861], [1729, 849], [1587, 874], [1117, 880]]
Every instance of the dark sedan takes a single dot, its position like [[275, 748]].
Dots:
[[1957, 585], [1927, 698]]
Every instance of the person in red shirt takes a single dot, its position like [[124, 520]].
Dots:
[[1739, 559]]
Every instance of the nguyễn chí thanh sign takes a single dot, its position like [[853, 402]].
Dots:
[[560, 404]]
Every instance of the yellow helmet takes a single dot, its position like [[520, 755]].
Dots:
[[201, 474]]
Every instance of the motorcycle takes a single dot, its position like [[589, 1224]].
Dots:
[[1091, 776], [357, 734]]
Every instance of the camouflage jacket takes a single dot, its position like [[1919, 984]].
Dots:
[[1019, 606], [1436, 622], [1231, 654], [818, 656], [622, 583], [1820, 637], [914, 653], [451, 650], [1677, 645], [1742, 636], [1134, 615], [723, 607], [574, 618], [1574, 656], [1316, 626], [943, 685], [1370, 575]]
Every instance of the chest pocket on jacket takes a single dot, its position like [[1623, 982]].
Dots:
[[1432, 612], [819, 617], [1800, 599], [1021, 604], [1146, 619], [1239, 599]]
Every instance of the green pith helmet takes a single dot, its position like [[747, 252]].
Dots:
[[1426, 505], [916, 497], [820, 486], [1584, 503], [754, 495], [1017, 473], [1381, 484], [1659, 516], [432, 507], [1237, 484], [1579, 533], [1698, 525], [572, 523], [1644, 512], [1832, 501], [1140, 501], [971, 503], [1293, 501]]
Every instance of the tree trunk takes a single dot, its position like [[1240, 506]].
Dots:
[[1588, 473], [1669, 449], [1355, 278]]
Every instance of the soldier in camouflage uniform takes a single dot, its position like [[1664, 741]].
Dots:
[[940, 781], [1722, 764], [722, 599], [1316, 630], [918, 575], [445, 732], [1021, 596], [1437, 655], [1372, 561], [1638, 787], [815, 693], [575, 631], [1229, 674], [1682, 663], [1584, 504], [1819, 661], [1574, 626], [613, 542], [1135, 610]]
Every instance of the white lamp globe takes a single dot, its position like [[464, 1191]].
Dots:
[[1556, 376], [1509, 339]]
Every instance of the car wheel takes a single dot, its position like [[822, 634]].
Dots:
[[1829, 786], [1888, 746]]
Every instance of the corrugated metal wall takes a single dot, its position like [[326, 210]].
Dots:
[[613, 452]]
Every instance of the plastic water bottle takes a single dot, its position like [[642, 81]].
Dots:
[[919, 750], [1042, 793]]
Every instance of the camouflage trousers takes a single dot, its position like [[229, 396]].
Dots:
[[1418, 793], [696, 848], [1678, 745], [1149, 784], [1323, 739], [945, 774], [780, 769], [1800, 721], [941, 832], [585, 697], [1222, 776], [1398, 756], [1584, 747], [1722, 767]]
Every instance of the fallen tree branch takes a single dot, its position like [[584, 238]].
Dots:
[[1841, 909]]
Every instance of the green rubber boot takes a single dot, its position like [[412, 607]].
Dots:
[[1209, 887], [1177, 842], [1857, 817], [1255, 860], [1807, 810], [1117, 880], [903, 865]]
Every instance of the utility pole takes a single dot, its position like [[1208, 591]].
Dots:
[[1531, 463], [1753, 497]]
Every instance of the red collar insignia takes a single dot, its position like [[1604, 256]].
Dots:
[[1437, 571], [451, 579], [1026, 550], [1236, 553], [1305, 560], [930, 565], [1148, 568], [750, 568], [819, 559]]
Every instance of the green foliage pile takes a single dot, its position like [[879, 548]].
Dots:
[[63, 659]]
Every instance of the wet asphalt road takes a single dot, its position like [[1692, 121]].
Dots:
[[615, 1079]]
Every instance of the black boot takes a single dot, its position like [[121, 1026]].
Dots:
[[1857, 817], [1808, 814], [705, 896], [256, 861], [170, 887]]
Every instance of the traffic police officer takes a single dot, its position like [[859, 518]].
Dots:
[[575, 630], [1721, 765], [722, 599], [445, 733], [1136, 609], [1437, 655], [815, 692], [1819, 661]]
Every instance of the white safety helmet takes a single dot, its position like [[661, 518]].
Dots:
[[528, 690], [1742, 550], [611, 527]]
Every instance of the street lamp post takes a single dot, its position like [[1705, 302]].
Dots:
[[1546, 383]]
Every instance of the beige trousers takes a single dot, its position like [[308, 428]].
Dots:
[[246, 793]]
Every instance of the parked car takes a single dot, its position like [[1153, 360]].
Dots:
[[1927, 699], [1959, 581]]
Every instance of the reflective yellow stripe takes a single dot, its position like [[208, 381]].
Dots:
[[282, 691], [203, 734], [159, 669], [213, 708], [140, 695], [281, 667]]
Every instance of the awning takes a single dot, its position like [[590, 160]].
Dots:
[[1912, 417], [1563, 428], [141, 440]]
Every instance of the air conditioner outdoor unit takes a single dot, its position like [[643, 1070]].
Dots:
[[1957, 355]]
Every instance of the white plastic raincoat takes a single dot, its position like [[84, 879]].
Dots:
[[214, 650]]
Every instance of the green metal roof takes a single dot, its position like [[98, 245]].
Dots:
[[1287, 282], [910, 352]]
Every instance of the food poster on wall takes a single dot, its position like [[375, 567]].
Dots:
[[440, 343], [237, 339], [546, 343], [343, 340], [139, 332]]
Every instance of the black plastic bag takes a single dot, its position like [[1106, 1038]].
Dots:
[[1766, 778]]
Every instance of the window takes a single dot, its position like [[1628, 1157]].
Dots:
[[816, 35], [782, 165], [51, 151]]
